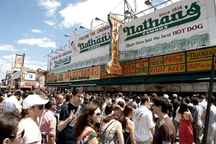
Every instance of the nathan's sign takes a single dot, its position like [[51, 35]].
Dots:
[[186, 14], [63, 61], [187, 24], [95, 39]]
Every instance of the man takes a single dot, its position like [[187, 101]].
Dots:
[[30, 125], [143, 120], [48, 122], [68, 115], [165, 131], [12, 103]]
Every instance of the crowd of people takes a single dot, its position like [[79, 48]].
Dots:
[[79, 117]]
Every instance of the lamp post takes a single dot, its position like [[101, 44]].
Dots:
[[98, 19], [149, 3]]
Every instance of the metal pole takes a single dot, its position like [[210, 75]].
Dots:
[[210, 93]]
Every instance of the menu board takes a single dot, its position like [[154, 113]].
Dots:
[[172, 63], [199, 66], [174, 58], [200, 60], [141, 66], [156, 61], [129, 68], [200, 54]]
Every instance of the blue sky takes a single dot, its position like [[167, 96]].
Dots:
[[35, 27]]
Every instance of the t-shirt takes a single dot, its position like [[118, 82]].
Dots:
[[65, 111], [66, 136], [48, 124], [32, 134], [143, 120], [164, 131]]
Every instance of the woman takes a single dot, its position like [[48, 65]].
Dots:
[[111, 130], [85, 129], [185, 125], [128, 125]]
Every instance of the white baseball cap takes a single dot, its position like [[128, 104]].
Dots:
[[166, 96], [33, 100]]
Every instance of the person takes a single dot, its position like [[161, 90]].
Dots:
[[144, 124], [211, 137], [12, 103], [111, 129], [185, 125], [34, 105], [165, 132], [1, 103], [85, 127], [47, 123], [128, 125], [8, 128], [68, 115]]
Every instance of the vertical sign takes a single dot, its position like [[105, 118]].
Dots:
[[19, 60]]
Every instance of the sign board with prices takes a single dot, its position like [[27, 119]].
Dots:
[[200, 60]]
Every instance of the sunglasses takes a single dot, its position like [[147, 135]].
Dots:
[[98, 114]]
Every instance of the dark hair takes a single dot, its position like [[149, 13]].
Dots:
[[144, 99], [127, 110], [163, 103], [77, 90], [68, 97], [194, 100], [50, 103], [18, 93], [183, 108], [85, 119], [108, 109], [8, 126], [121, 104]]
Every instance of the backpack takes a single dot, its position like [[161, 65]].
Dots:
[[104, 140]]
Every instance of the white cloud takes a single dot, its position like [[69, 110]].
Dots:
[[50, 5], [38, 42], [6, 47], [36, 31], [35, 64], [9, 58], [83, 12], [50, 23]]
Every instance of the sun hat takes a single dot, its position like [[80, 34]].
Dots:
[[33, 100]]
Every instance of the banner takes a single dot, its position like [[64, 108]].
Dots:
[[19, 60], [91, 48], [187, 24]]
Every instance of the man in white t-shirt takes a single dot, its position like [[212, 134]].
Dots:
[[34, 105], [144, 124]]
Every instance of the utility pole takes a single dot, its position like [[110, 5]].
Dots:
[[210, 93]]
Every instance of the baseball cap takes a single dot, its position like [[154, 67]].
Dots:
[[166, 96], [33, 100]]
